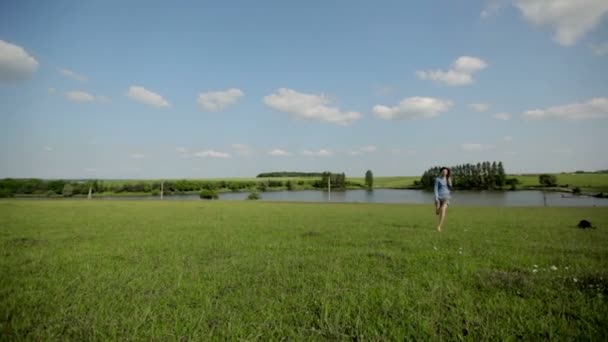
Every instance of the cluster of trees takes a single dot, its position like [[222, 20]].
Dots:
[[485, 175], [289, 174], [337, 180], [9, 187]]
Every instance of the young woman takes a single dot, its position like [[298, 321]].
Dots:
[[443, 185]]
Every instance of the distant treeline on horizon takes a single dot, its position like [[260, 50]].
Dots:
[[289, 174]]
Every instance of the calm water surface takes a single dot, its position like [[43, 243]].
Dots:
[[483, 198]]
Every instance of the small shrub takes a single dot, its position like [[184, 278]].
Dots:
[[547, 180], [253, 196], [208, 194], [5, 193], [68, 190]]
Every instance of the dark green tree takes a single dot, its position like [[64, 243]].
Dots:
[[369, 179]]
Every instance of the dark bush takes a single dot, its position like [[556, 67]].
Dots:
[[208, 194]]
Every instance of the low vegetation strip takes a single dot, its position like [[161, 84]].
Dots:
[[120, 270]]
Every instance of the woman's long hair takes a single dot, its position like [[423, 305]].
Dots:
[[445, 168]]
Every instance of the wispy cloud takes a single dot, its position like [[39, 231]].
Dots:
[[137, 156], [320, 153], [413, 107], [364, 149], [217, 100], [212, 154], [73, 75], [145, 96], [502, 116], [596, 108], [479, 107], [279, 153], [461, 72], [79, 96], [475, 147], [309, 107]]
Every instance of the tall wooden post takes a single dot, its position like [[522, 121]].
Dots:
[[329, 187]]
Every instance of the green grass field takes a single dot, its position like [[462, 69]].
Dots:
[[152, 271]]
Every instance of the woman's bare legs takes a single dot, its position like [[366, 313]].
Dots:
[[442, 211]]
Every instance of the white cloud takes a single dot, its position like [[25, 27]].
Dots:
[[571, 19], [412, 107], [502, 116], [479, 107], [474, 147], [181, 150], [492, 7], [600, 49], [507, 139], [217, 100], [242, 149], [51, 90], [143, 95], [73, 75], [461, 72], [212, 154], [15, 63], [47, 148], [79, 96], [137, 156], [279, 153], [83, 96], [596, 108], [397, 152], [369, 148], [309, 107], [320, 153], [90, 169], [364, 149]]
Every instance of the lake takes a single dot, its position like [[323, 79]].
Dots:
[[482, 198]]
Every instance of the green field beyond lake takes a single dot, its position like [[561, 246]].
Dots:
[[152, 271]]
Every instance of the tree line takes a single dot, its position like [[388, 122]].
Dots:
[[40, 187], [481, 176], [289, 174]]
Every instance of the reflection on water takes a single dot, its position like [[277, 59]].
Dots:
[[483, 198]]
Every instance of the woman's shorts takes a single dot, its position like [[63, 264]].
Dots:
[[443, 201]]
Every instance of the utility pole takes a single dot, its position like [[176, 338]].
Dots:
[[329, 187]]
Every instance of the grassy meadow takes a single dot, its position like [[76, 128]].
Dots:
[[212, 270]]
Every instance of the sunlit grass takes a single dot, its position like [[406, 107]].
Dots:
[[98, 270]]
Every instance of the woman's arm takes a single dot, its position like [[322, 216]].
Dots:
[[436, 189]]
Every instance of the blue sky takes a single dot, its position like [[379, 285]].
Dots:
[[146, 89]]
